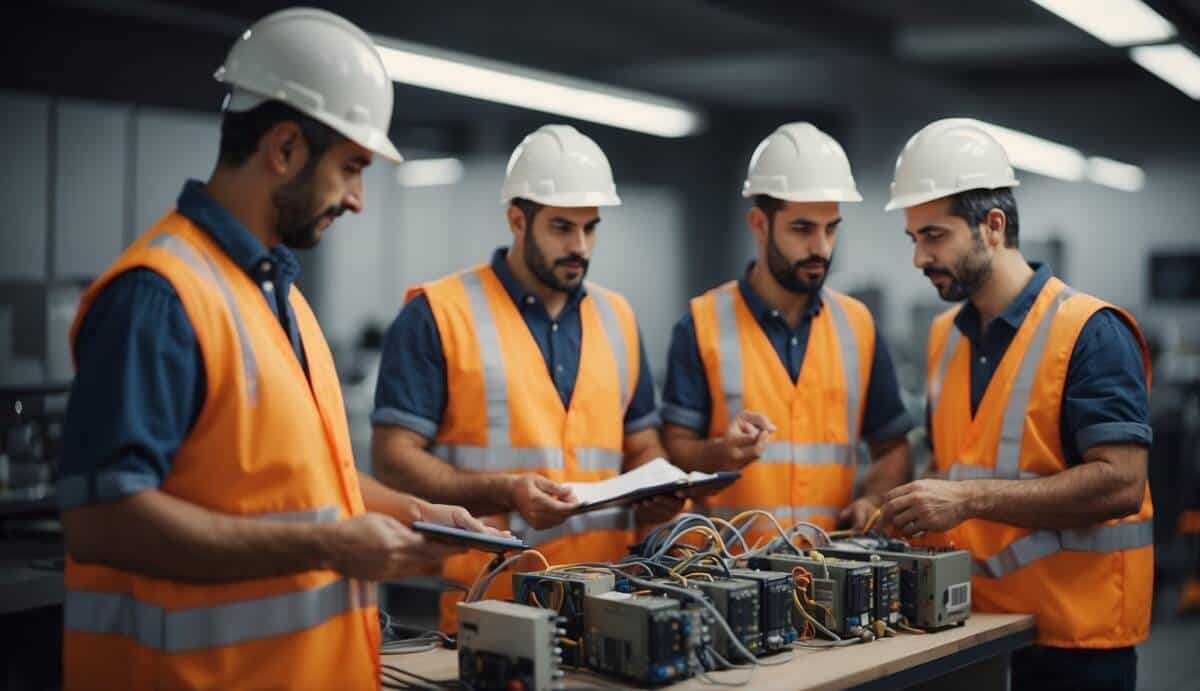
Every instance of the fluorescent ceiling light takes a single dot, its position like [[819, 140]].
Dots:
[[1038, 155], [1174, 64], [1116, 22], [429, 172], [1110, 173], [467, 75]]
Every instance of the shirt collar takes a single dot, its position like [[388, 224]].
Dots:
[[761, 309], [233, 238], [1014, 314], [520, 296]]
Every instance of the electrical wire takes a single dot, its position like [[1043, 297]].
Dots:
[[727, 663], [494, 568], [814, 554], [429, 683], [871, 521]]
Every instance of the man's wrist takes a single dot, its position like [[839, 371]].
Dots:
[[975, 500], [508, 486], [321, 541]]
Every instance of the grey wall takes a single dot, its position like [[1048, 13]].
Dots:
[[79, 177], [85, 178]]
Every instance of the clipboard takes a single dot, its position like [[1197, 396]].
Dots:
[[709, 485]]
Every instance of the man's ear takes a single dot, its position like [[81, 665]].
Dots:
[[516, 221], [759, 224], [283, 148], [995, 224]]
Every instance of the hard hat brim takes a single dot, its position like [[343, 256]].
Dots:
[[825, 195], [906, 201], [567, 200]]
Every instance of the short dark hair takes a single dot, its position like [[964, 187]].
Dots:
[[241, 132], [528, 207], [973, 206], [768, 205]]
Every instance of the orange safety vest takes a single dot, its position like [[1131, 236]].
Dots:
[[1090, 587], [807, 470], [504, 414], [265, 445]]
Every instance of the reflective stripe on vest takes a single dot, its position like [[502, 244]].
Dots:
[[495, 386], [616, 338], [807, 454], [1043, 543], [935, 386], [480, 458], [1012, 429], [175, 631], [730, 355], [962, 471], [207, 271], [618, 518], [229, 623], [848, 345], [732, 380], [498, 455]]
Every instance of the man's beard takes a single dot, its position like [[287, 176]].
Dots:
[[543, 270], [970, 272], [786, 272], [298, 214]]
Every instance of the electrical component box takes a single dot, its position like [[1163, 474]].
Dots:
[[736, 600], [885, 585], [640, 638], [935, 582], [700, 636], [563, 591], [776, 590], [840, 588], [505, 645]]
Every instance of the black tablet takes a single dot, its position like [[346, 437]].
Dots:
[[468, 538]]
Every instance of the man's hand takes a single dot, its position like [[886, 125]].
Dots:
[[542, 502], [455, 517], [660, 509], [856, 515], [927, 506], [745, 440], [376, 547]]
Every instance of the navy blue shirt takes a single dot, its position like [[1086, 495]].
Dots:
[[686, 399], [411, 391], [140, 380], [1104, 400]]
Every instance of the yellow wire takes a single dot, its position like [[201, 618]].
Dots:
[[821, 558], [539, 555], [704, 530], [721, 522], [871, 521]]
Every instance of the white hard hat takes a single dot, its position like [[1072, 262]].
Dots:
[[320, 64], [800, 163], [558, 166], [947, 157]]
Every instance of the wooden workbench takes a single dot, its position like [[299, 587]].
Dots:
[[975, 655]]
